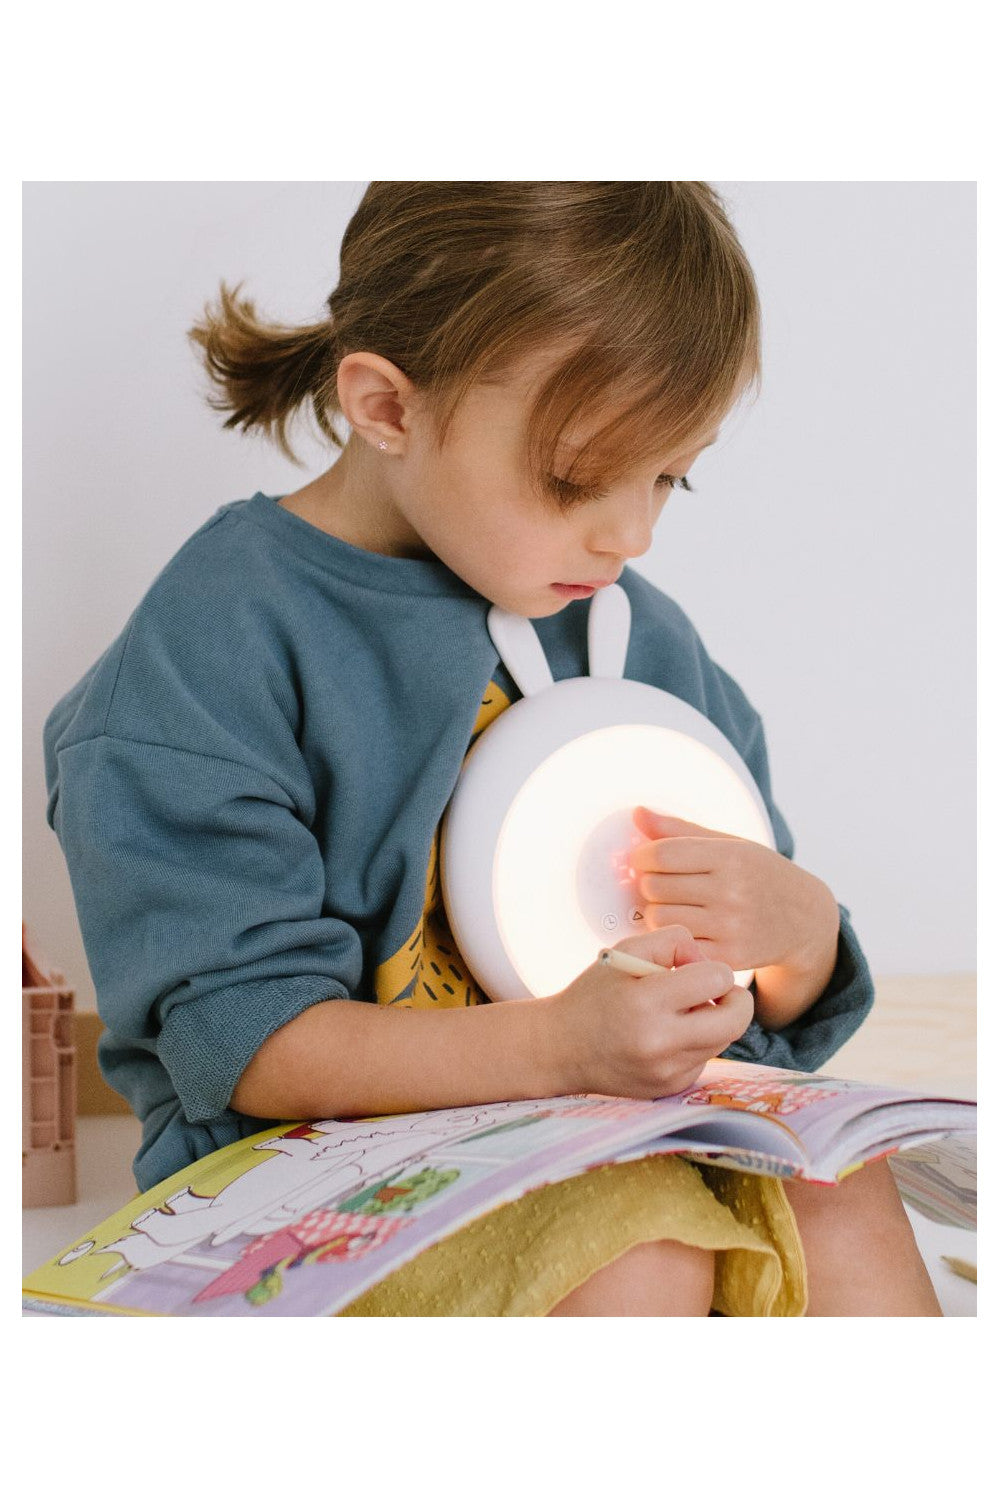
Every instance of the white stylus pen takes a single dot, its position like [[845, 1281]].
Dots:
[[629, 964]]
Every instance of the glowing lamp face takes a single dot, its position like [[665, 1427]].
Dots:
[[537, 837], [562, 884]]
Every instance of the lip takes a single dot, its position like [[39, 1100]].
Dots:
[[582, 590], [574, 590], [589, 588]]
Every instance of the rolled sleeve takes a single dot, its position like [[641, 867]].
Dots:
[[807, 1042], [200, 894], [206, 1043]]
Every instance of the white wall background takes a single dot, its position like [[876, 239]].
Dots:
[[828, 556]]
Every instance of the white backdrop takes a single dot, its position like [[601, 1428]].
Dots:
[[827, 556]]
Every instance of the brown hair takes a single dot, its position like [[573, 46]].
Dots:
[[645, 284]]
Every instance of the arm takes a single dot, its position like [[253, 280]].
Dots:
[[200, 893], [820, 1030], [349, 1058], [783, 992]]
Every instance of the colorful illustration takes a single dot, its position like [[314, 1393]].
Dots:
[[322, 1236], [761, 1096], [403, 1196], [600, 1107], [347, 1232], [354, 1167]]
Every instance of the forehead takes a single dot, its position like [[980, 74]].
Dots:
[[506, 402]]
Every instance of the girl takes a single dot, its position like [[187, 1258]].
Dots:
[[248, 784]]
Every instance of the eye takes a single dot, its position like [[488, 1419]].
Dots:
[[573, 493]]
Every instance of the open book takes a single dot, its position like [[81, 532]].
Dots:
[[301, 1219]]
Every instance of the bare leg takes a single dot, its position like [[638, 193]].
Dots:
[[862, 1260], [659, 1279]]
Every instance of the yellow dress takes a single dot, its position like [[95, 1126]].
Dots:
[[523, 1258]]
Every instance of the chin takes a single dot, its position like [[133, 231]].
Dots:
[[555, 607], [534, 604]]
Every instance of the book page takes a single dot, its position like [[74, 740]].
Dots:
[[749, 1142], [939, 1180], [824, 1111]]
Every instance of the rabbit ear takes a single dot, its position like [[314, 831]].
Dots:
[[609, 624], [520, 650]]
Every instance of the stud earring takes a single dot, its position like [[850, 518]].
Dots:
[[382, 443]]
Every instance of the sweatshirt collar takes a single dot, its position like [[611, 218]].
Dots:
[[374, 570]]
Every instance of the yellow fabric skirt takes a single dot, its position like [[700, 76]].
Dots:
[[521, 1259]]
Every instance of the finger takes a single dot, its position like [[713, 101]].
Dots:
[[709, 945], [714, 951], [691, 917], [693, 984], [715, 1027], [678, 889], [680, 856], [671, 945], [657, 825]]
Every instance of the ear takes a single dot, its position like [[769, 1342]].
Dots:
[[520, 650], [609, 624]]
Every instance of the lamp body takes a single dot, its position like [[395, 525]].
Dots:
[[536, 837]]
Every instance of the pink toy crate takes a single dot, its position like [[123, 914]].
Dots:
[[48, 1084]]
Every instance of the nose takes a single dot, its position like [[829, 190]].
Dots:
[[625, 528]]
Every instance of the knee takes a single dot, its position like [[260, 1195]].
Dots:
[[871, 1190], [659, 1278], [861, 1254], [862, 1215]]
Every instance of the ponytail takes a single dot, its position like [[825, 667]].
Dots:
[[265, 372]]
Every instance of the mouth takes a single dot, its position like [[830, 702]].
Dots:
[[582, 589]]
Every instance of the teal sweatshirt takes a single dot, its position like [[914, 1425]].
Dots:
[[248, 787]]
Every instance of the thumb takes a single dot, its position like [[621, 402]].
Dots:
[[687, 951], [673, 947]]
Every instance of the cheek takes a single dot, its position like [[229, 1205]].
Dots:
[[516, 530], [492, 524]]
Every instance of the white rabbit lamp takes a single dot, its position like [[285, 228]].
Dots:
[[537, 835]]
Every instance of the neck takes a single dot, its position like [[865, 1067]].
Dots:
[[353, 501]]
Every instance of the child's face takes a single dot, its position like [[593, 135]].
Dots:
[[474, 507]]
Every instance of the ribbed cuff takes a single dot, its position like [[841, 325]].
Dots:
[[206, 1043]]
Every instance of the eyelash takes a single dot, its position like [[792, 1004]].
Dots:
[[571, 492]]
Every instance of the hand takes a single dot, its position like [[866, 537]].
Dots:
[[744, 904], [646, 1037]]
